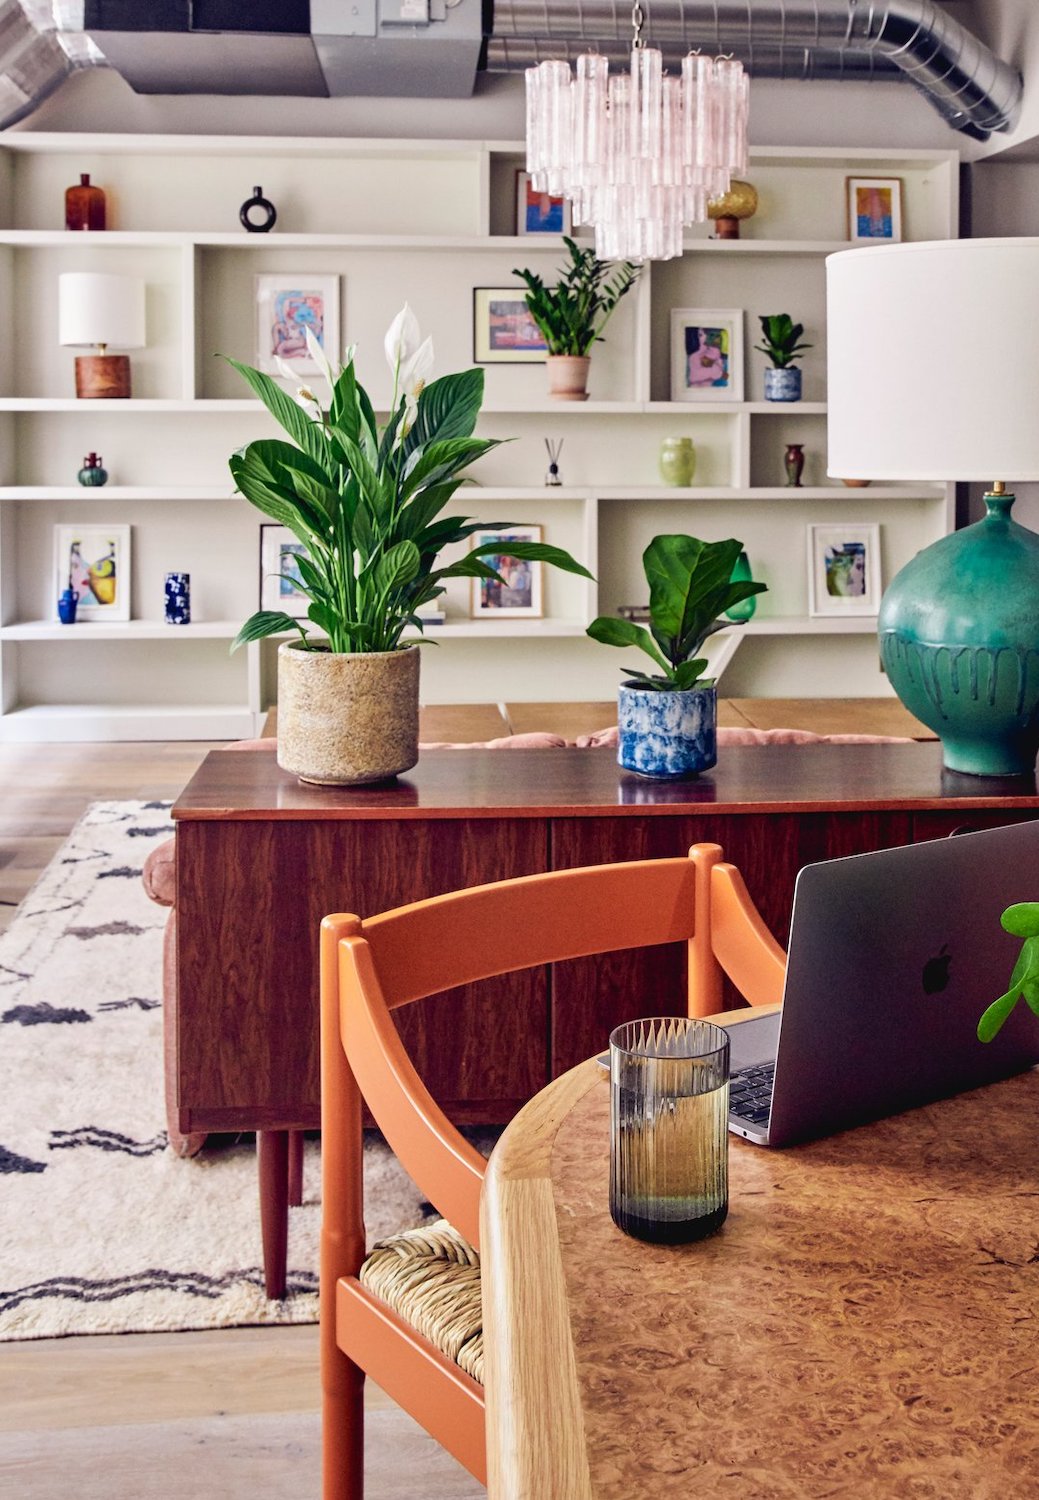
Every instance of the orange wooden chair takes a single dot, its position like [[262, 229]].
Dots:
[[430, 1278]]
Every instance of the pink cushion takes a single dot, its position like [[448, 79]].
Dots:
[[534, 740]]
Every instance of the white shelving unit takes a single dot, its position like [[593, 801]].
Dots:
[[425, 221]]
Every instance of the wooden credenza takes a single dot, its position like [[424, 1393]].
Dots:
[[262, 858]]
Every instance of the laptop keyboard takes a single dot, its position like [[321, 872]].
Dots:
[[750, 1093]]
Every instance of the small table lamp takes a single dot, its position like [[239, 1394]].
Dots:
[[96, 311], [934, 375]]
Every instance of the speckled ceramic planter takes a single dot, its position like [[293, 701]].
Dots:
[[348, 719], [667, 735]]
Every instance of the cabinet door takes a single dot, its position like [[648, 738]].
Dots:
[[939, 825], [250, 899], [591, 996]]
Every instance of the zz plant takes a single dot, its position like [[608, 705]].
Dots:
[[690, 587], [572, 315]]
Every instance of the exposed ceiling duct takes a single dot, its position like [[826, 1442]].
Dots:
[[796, 39], [435, 48]]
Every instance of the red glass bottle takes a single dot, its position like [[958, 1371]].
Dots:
[[84, 205]]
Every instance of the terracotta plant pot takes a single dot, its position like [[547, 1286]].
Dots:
[[347, 719], [568, 376]]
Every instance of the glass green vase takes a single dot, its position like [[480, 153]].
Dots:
[[741, 574]]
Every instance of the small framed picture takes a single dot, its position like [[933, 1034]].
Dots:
[[504, 333], [285, 307], [519, 596], [539, 213], [94, 561], [844, 569], [874, 210], [706, 354], [279, 572]]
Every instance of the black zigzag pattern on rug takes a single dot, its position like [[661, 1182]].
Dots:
[[45, 1014], [10, 1161], [106, 1140], [191, 1283]]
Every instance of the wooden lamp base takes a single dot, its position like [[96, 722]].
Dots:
[[103, 375]]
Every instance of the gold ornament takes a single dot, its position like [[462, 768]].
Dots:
[[740, 202]]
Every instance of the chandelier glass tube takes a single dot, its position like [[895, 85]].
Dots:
[[638, 154]]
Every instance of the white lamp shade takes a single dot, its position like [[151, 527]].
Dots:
[[95, 308], [933, 361]]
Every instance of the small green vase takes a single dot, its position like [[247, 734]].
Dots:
[[92, 473], [959, 640], [741, 574], [677, 461]]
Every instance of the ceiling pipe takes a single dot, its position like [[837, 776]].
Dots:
[[971, 88]]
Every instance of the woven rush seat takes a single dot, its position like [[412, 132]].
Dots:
[[431, 1278]]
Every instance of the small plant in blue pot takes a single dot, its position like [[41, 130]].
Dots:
[[781, 335], [667, 721]]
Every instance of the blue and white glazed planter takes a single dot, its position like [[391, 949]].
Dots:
[[667, 735], [783, 385]]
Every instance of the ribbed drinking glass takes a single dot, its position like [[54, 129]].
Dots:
[[669, 1139]]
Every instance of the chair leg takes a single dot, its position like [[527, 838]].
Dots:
[[295, 1168], [273, 1158], [342, 1433]]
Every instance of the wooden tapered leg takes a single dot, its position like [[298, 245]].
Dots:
[[295, 1168], [273, 1154], [342, 1430]]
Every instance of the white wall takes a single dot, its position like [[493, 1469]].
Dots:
[[796, 114]]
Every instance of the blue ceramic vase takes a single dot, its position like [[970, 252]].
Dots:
[[667, 735], [783, 385], [959, 639]]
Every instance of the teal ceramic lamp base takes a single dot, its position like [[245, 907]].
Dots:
[[959, 639]]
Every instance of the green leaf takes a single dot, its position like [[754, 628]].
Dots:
[[397, 567], [613, 632], [285, 411], [687, 674], [447, 408], [556, 557], [1022, 919], [265, 622]]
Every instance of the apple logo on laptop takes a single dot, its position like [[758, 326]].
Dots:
[[936, 971]]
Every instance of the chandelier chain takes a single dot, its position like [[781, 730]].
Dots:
[[637, 19]]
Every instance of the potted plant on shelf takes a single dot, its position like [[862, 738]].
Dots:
[[365, 502], [667, 722], [572, 315], [781, 335]]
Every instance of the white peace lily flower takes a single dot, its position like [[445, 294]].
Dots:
[[303, 394], [402, 339], [320, 358], [415, 371]]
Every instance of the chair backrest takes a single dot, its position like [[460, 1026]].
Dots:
[[370, 967]]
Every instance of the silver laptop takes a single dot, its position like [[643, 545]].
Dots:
[[893, 956]]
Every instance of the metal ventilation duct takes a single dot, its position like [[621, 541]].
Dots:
[[969, 86], [37, 54]]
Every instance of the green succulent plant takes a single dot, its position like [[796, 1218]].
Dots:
[[690, 587], [572, 315], [781, 334]]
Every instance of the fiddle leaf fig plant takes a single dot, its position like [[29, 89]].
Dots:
[[781, 335], [1022, 920], [572, 315], [366, 500], [690, 587]]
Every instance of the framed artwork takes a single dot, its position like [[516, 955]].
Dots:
[[539, 213], [874, 209], [504, 333], [706, 354], [279, 572], [519, 596], [285, 307], [94, 561], [844, 569]]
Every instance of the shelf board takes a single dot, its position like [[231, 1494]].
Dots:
[[809, 625], [134, 406], [461, 629], [55, 723], [764, 492], [166, 493], [734, 408], [120, 630]]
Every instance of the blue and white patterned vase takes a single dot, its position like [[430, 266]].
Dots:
[[783, 385], [178, 598], [667, 735]]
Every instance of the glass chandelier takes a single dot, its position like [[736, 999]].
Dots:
[[639, 155]]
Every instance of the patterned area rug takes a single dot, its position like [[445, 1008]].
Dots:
[[103, 1229]]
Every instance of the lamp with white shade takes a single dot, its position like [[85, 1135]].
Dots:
[[933, 353], [101, 311]]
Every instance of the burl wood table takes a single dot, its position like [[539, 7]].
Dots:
[[863, 1326], [262, 858]]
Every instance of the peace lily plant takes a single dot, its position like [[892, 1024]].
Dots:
[[366, 501]]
